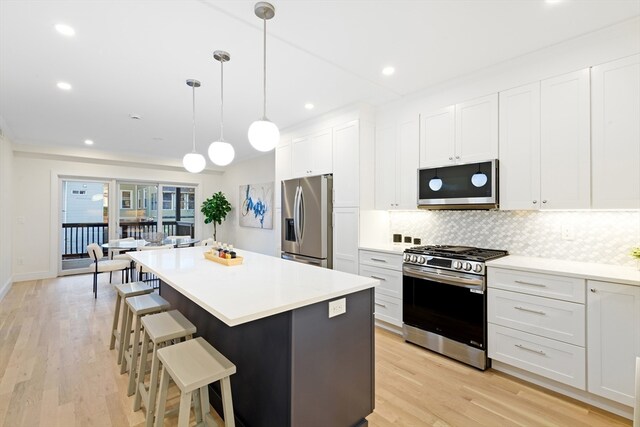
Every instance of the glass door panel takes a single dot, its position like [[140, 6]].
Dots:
[[178, 210], [84, 220], [137, 209]]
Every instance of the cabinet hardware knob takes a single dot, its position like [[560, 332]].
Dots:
[[544, 201], [450, 158], [457, 157], [535, 201], [593, 290]]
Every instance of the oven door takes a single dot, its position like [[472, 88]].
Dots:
[[444, 304]]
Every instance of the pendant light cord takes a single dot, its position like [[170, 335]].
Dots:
[[264, 69], [222, 100], [194, 116]]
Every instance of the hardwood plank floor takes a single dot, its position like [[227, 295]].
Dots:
[[56, 369]]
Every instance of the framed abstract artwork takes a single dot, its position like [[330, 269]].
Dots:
[[256, 205]]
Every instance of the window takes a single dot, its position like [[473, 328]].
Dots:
[[188, 201], [168, 200], [125, 199]]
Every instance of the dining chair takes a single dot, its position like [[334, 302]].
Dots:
[[141, 269], [180, 245], [206, 242], [117, 253], [102, 265]]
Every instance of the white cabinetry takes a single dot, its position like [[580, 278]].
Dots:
[[346, 165], [283, 168], [396, 163], [312, 155], [387, 268], [464, 133], [615, 99], [537, 323], [613, 322], [345, 240], [565, 141]]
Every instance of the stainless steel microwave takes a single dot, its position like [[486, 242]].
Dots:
[[462, 186]]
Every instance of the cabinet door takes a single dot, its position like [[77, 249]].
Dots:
[[346, 165], [438, 137], [385, 167], [322, 153], [477, 130], [408, 147], [345, 240], [301, 156], [615, 143], [520, 148], [613, 337], [565, 142]]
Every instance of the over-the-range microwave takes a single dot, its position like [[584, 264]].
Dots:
[[460, 186]]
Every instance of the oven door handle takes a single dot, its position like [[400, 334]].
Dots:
[[447, 279]]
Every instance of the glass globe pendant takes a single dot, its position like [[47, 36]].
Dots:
[[221, 152], [194, 162], [264, 134]]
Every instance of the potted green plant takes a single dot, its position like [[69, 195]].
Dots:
[[215, 209]]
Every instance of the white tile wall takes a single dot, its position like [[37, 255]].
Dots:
[[603, 237]]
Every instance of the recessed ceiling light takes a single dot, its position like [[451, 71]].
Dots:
[[64, 86], [309, 106], [387, 71], [65, 30], [88, 142], [552, 1]]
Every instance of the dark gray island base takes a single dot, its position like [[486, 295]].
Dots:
[[299, 368]]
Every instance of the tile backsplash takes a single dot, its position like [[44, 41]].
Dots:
[[595, 236]]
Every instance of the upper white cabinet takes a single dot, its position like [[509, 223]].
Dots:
[[464, 133], [346, 165], [312, 155], [616, 134], [396, 164], [565, 141], [613, 334], [520, 148]]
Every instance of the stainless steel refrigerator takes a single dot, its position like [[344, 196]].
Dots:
[[307, 229]]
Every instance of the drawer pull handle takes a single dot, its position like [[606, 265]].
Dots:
[[593, 290], [378, 259], [530, 284], [529, 310], [530, 349], [379, 278], [380, 305]]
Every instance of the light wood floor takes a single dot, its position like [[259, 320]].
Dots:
[[56, 369]]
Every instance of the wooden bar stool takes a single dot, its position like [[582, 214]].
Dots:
[[193, 365], [159, 330], [124, 291], [136, 308]]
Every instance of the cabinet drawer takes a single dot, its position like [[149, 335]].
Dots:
[[381, 259], [545, 285], [390, 280], [388, 309], [559, 361], [559, 320]]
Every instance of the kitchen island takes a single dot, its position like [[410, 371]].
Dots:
[[296, 366]]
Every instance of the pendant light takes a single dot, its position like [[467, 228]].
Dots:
[[220, 152], [479, 179], [435, 183], [264, 134], [194, 162]]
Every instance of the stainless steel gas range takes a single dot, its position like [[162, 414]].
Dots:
[[444, 300]]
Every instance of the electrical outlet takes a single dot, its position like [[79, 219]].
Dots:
[[568, 232], [337, 307]]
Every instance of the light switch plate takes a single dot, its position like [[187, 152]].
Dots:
[[337, 307]]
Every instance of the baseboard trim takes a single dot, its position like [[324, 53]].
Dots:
[[572, 392], [389, 327], [4, 289], [33, 276]]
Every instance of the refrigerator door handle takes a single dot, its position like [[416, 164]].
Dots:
[[296, 218], [301, 215]]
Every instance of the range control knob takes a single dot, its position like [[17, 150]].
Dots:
[[477, 268], [407, 257], [421, 260], [467, 266], [457, 265], [414, 258]]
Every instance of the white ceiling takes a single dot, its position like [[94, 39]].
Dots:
[[133, 57]]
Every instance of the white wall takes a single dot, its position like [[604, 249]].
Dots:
[[35, 218], [6, 207], [255, 171]]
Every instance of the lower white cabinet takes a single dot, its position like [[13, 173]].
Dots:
[[613, 324], [387, 268], [345, 240]]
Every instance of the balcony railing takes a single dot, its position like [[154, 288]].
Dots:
[[76, 236]]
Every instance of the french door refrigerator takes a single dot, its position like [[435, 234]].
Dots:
[[307, 229]]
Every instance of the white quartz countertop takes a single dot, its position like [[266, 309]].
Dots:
[[262, 286], [585, 270], [391, 248]]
